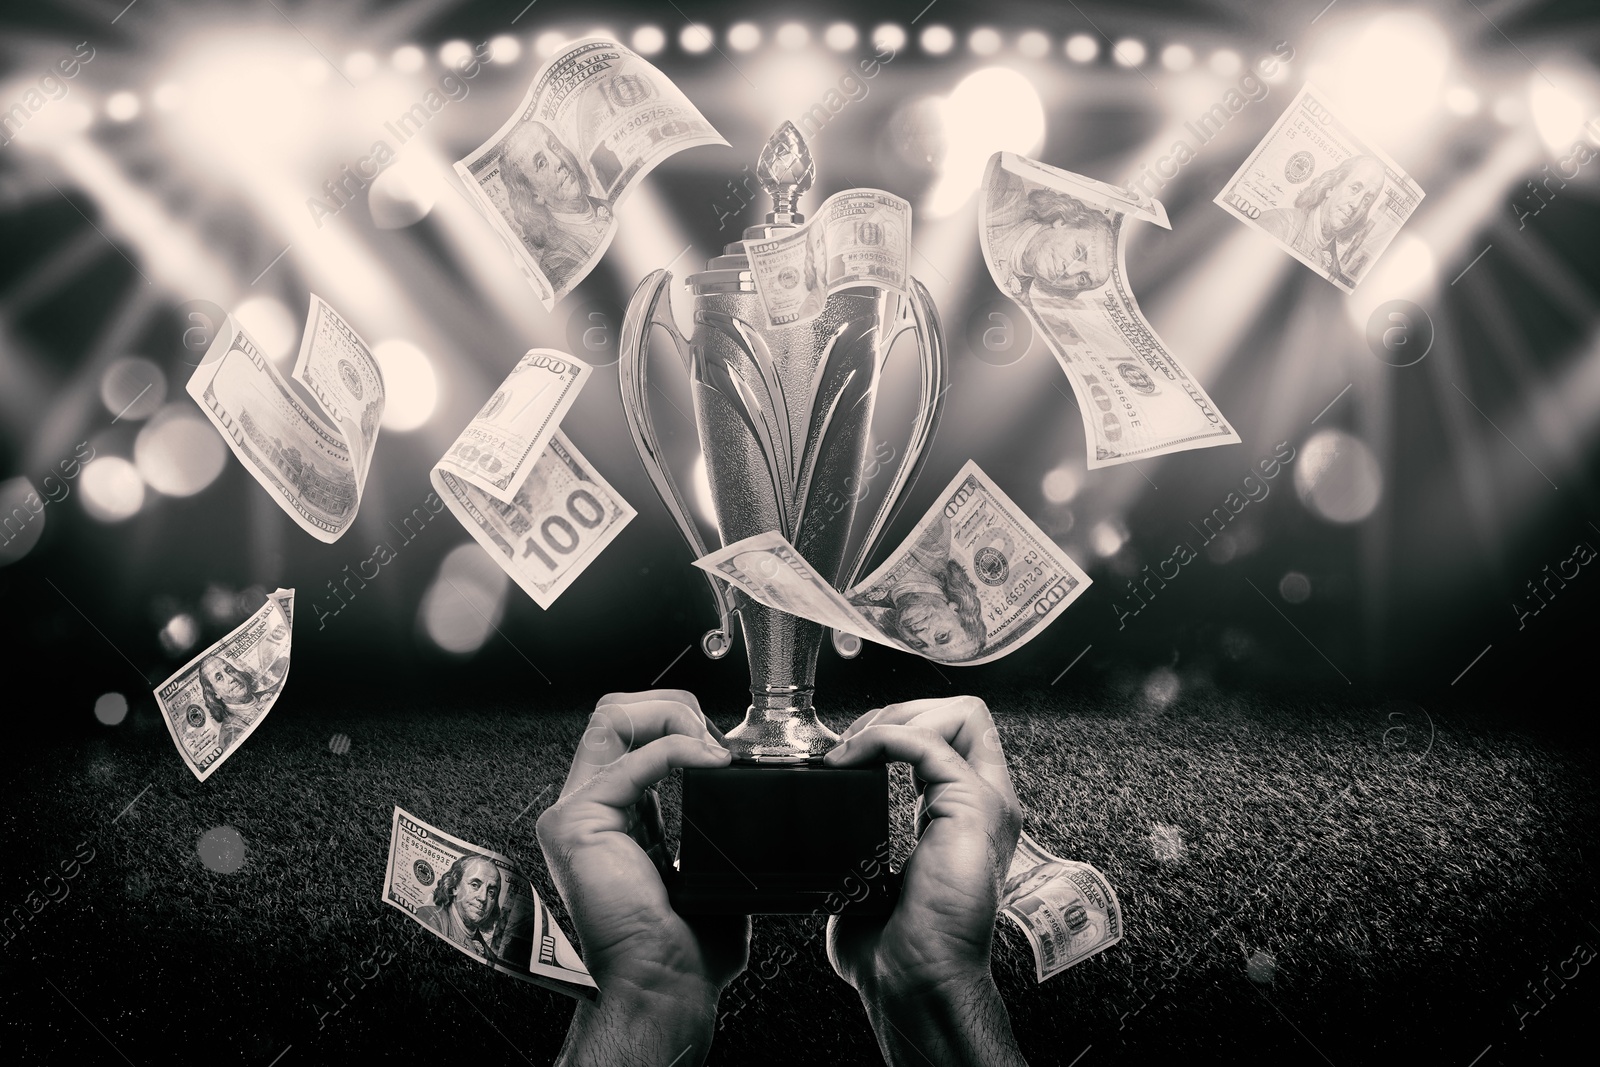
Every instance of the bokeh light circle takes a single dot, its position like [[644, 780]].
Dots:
[[743, 36], [937, 40], [648, 40], [1061, 484], [22, 514], [111, 708], [841, 36], [112, 489], [222, 849], [695, 38], [122, 106], [1033, 44], [505, 49], [1337, 477], [178, 452], [465, 602], [180, 634], [1081, 48], [1295, 587], [411, 387], [132, 388], [1129, 52], [888, 38]]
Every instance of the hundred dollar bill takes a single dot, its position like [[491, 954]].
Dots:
[[504, 440], [560, 518], [313, 468], [857, 237], [1053, 241], [219, 698], [595, 121], [478, 901], [1067, 909], [339, 370], [1327, 196], [974, 581]]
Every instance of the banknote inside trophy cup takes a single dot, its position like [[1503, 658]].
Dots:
[[791, 324]]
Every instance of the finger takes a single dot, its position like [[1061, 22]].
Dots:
[[617, 728], [931, 757], [903, 712], [683, 696], [965, 723], [624, 782]]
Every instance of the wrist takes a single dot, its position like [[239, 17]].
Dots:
[[957, 1018], [639, 1019]]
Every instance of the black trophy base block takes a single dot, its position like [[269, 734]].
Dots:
[[784, 841]]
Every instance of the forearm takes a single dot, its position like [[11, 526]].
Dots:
[[629, 1027], [956, 1022]]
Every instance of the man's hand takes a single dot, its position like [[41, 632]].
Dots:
[[923, 974], [659, 975]]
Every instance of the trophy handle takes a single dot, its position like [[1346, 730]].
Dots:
[[916, 312], [651, 306]]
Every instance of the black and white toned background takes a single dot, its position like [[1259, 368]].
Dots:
[[1340, 768]]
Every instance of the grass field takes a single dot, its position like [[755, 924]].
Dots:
[[1303, 880]]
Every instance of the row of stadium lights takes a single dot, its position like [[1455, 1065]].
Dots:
[[698, 39]]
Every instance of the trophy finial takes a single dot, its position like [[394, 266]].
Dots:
[[785, 170]]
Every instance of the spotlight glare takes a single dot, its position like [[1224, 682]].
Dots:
[[270, 325], [984, 41], [122, 107], [744, 36], [990, 110], [1225, 63], [360, 65], [1508, 110], [888, 37], [312, 71], [408, 59], [695, 38], [1177, 57], [1557, 109], [1129, 52], [112, 489], [841, 36], [505, 49], [168, 96], [937, 40], [1461, 100], [793, 35], [1081, 48], [648, 40], [410, 385], [1033, 45], [454, 54]]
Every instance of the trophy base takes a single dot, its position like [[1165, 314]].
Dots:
[[776, 840]]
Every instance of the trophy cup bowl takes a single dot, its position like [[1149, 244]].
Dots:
[[783, 416]]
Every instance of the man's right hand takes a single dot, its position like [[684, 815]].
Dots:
[[659, 975]]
